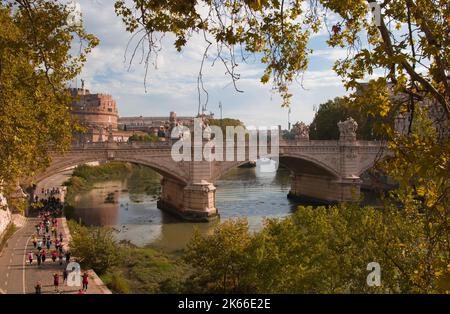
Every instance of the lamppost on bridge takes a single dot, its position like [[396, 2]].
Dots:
[[289, 118], [221, 117]]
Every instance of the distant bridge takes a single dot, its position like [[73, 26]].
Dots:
[[323, 170]]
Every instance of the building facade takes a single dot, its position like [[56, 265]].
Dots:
[[98, 114], [154, 125]]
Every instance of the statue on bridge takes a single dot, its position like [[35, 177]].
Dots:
[[347, 129], [300, 131], [110, 134]]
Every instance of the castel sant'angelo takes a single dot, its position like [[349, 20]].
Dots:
[[98, 114]]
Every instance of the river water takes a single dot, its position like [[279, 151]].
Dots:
[[132, 210], [129, 206]]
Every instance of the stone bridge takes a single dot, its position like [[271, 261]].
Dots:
[[322, 170]]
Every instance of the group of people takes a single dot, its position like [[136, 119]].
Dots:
[[48, 239], [51, 192], [48, 243], [52, 205], [65, 274]]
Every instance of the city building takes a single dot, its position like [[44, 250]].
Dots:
[[98, 114], [154, 125]]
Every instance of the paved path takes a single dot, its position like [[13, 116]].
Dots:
[[54, 181], [17, 276]]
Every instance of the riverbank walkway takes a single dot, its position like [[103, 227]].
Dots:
[[17, 276]]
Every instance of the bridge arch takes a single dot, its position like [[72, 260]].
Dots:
[[64, 163], [304, 164], [298, 164]]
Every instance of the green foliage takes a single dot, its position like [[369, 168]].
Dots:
[[106, 171], [125, 268], [18, 205], [95, 247], [143, 180], [151, 271], [116, 282], [263, 28], [35, 67], [321, 250], [278, 32], [143, 138], [324, 125], [84, 177], [223, 261], [223, 123], [226, 122]]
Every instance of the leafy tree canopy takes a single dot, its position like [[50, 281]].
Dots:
[[143, 138], [321, 250], [35, 66], [410, 34], [324, 125]]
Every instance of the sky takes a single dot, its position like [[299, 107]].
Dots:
[[172, 83]]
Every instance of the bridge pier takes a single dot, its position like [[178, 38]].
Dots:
[[192, 202], [322, 188]]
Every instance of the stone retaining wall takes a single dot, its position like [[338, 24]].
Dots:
[[5, 220], [5, 215]]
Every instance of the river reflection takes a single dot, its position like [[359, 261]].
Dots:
[[240, 193]]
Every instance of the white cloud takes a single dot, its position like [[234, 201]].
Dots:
[[173, 85]]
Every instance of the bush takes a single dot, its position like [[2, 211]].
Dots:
[[143, 138], [117, 283], [96, 247], [224, 261]]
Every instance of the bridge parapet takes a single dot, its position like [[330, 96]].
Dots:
[[121, 145]]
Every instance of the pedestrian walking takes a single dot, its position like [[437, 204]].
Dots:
[[56, 281], [85, 281], [39, 258], [60, 258], [65, 275], [67, 257], [30, 257], [54, 255], [38, 288], [44, 255]]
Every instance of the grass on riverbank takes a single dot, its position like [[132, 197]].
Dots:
[[123, 267], [145, 270], [84, 177]]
